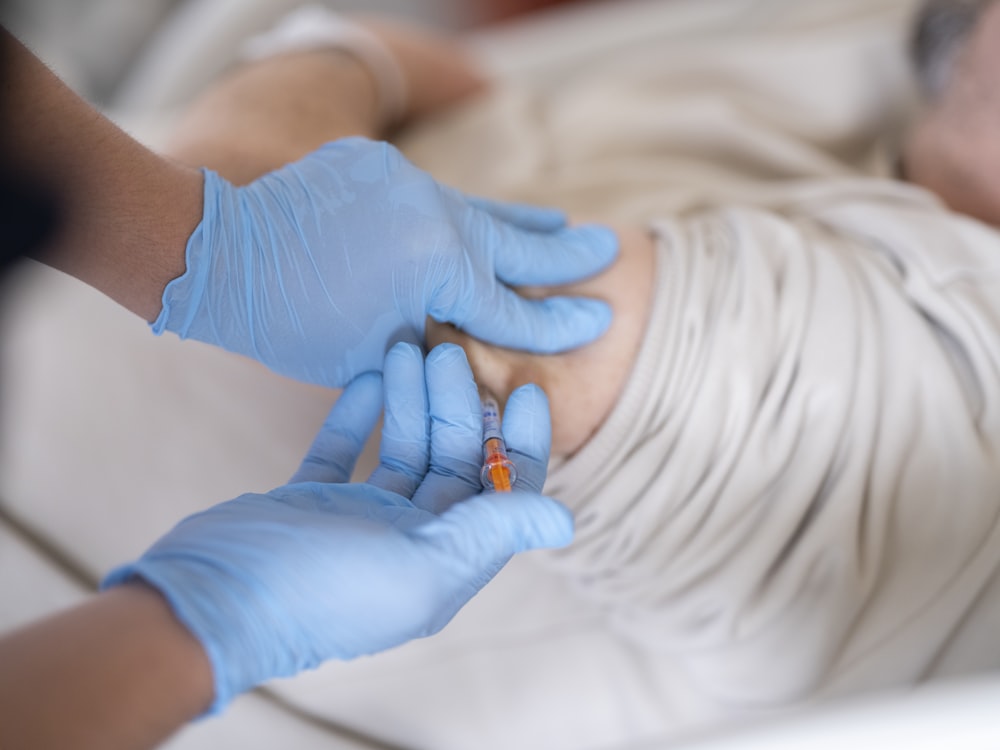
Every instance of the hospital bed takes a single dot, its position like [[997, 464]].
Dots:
[[108, 435]]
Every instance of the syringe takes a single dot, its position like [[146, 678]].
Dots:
[[499, 472]]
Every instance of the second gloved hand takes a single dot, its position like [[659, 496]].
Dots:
[[271, 584], [317, 268]]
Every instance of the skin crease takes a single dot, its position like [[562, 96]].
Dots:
[[954, 149], [579, 404]]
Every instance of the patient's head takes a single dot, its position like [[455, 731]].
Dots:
[[954, 147]]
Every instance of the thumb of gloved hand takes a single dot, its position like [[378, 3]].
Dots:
[[487, 530]]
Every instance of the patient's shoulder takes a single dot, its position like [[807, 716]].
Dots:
[[583, 385]]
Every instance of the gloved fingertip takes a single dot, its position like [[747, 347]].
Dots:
[[602, 241], [547, 326], [404, 349], [527, 428], [573, 322], [363, 383], [544, 522], [446, 354], [528, 396], [508, 523], [602, 238], [531, 218], [539, 218]]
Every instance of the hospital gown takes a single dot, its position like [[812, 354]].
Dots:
[[798, 491]]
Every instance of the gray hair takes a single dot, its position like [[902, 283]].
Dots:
[[941, 29]]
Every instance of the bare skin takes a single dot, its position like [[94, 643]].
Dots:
[[953, 149], [266, 114], [119, 671], [126, 213]]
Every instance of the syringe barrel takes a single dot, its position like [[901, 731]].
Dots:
[[498, 472], [491, 418]]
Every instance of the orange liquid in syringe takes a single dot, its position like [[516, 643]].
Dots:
[[498, 473], [497, 468]]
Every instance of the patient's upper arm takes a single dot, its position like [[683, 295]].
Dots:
[[583, 384]]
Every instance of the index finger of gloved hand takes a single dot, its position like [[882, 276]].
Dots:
[[340, 440], [522, 215], [527, 431], [456, 431], [543, 326], [561, 257], [405, 448]]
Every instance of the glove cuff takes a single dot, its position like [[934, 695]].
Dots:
[[183, 296], [314, 27], [188, 615]]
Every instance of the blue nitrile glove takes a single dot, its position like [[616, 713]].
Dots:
[[322, 569], [319, 267]]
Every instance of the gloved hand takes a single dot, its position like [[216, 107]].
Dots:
[[317, 268], [273, 584]]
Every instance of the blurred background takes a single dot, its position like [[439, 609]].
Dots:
[[92, 44]]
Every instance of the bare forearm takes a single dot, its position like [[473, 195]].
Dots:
[[265, 114], [116, 672], [124, 213], [269, 113]]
